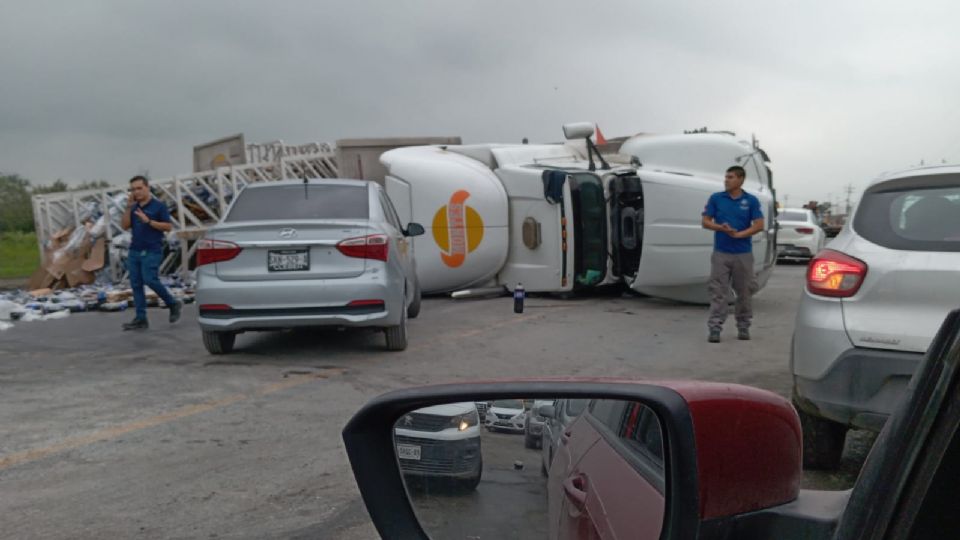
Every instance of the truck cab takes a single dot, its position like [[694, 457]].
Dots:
[[545, 216]]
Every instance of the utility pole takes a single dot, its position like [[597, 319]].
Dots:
[[849, 191]]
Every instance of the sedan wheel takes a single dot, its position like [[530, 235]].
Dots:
[[219, 342], [397, 335]]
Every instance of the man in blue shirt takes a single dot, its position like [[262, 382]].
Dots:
[[735, 216], [148, 220]]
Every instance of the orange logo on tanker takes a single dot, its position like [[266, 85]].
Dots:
[[457, 229]]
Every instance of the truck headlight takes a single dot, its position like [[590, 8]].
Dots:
[[465, 421]]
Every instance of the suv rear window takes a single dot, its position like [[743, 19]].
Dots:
[[317, 201], [915, 219]]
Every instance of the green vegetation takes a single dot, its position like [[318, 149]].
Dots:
[[16, 210], [19, 255]]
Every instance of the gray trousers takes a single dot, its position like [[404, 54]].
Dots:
[[734, 269]]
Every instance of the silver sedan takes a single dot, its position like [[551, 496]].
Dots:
[[307, 253]]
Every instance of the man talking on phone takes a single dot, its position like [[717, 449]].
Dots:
[[148, 220]]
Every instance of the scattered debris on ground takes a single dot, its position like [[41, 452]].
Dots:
[[46, 303]]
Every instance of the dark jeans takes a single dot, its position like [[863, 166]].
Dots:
[[144, 268], [736, 270]]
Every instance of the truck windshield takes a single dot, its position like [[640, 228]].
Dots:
[[590, 229]]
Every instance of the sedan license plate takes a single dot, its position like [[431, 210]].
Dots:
[[288, 260], [408, 451]]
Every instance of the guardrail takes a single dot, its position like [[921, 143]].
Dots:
[[196, 201]]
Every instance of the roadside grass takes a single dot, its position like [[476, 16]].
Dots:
[[19, 256]]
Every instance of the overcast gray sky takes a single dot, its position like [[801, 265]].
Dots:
[[836, 91]]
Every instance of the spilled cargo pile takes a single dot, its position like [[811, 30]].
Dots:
[[47, 303]]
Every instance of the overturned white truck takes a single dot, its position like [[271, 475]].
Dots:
[[545, 216]]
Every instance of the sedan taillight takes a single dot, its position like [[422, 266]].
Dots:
[[214, 251], [374, 246], [804, 230], [835, 274]]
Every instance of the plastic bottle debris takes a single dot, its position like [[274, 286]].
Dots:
[[5, 326], [7, 308], [56, 315], [113, 306], [519, 294]]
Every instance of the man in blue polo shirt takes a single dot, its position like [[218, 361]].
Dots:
[[148, 220], [735, 216]]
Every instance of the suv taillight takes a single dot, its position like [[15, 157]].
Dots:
[[835, 274], [214, 251], [374, 246], [804, 230]]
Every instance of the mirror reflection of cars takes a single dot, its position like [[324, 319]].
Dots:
[[307, 253], [482, 407], [798, 235], [610, 469], [872, 303], [558, 416], [506, 415], [731, 463], [533, 429], [441, 442]]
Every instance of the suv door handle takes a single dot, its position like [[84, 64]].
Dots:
[[575, 490]]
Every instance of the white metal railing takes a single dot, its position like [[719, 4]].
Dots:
[[197, 201]]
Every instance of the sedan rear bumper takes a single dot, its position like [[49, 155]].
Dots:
[[234, 306]]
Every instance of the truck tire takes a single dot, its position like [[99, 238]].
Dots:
[[219, 342], [397, 335], [471, 484], [529, 441], [414, 310], [822, 441]]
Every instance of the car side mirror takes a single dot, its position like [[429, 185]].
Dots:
[[547, 411], [690, 457], [414, 229]]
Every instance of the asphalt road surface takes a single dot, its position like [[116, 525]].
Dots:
[[106, 434]]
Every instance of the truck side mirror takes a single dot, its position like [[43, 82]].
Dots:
[[414, 229]]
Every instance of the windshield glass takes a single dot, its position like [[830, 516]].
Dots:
[[316, 201], [508, 404], [590, 227]]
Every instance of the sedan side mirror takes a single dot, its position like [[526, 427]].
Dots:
[[689, 457], [414, 229]]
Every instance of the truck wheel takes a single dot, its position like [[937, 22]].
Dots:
[[219, 342], [414, 310], [822, 441], [397, 335], [529, 442], [471, 484]]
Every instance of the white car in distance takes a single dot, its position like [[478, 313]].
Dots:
[[506, 415], [799, 236]]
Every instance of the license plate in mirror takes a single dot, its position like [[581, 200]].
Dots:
[[408, 451], [288, 260]]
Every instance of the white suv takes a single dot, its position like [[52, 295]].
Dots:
[[874, 300]]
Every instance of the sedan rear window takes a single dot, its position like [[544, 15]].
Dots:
[[793, 216], [313, 201], [918, 219]]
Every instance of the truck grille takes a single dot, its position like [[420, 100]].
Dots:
[[437, 457], [423, 422]]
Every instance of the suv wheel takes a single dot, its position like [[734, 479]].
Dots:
[[219, 342], [397, 335], [822, 441]]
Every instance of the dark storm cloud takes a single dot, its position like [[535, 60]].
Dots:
[[835, 91]]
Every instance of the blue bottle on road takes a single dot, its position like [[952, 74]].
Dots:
[[518, 295]]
